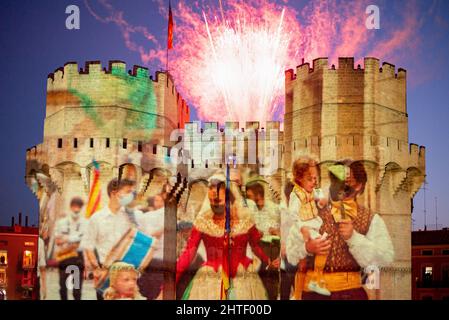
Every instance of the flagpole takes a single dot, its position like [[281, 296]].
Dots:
[[166, 67], [168, 39], [169, 35], [228, 225]]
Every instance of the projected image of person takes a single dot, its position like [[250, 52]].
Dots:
[[68, 234], [287, 269], [266, 216], [304, 204], [152, 222], [227, 265], [107, 227], [357, 237], [123, 283]]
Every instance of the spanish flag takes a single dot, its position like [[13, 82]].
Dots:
[[170, 28], [93, 203]]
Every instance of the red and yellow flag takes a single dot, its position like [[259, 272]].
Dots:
[[93, 203], [170, 28]]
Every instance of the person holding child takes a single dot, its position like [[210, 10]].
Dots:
[[304, 202], [357, 238]]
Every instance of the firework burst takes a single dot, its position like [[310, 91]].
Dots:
[[247, 62], [233, 65], [229, 58]]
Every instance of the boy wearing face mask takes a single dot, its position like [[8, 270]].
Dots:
[[68, 233], [108, 225]]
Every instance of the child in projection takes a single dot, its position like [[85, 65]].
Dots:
[[304, 202], [122, 283]]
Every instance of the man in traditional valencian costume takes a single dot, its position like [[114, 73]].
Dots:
[[357, 238]]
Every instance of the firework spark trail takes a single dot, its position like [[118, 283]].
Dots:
[[244, 59], [214, 61], [247, 68], [127, 30]]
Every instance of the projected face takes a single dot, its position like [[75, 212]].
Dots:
[[309, 180], [126, 283], [217, 198], [125, 191], [350, 187], [158, 201]]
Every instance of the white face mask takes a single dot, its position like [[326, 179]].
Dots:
[[126, 199], [75, 214]]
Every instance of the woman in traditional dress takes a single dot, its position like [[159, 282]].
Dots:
[[222, 261]]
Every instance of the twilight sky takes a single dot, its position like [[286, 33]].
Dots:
[[34, 42]]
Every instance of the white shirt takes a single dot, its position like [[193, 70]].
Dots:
[[313, 225], [41, 262], [73, 229], [152, 222], [287, 220], [104, 230], [266, 218], [374, 248]]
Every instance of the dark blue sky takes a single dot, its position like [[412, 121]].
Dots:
[[34, 42]]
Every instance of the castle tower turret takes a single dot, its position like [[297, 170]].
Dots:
[[345, 112], [112, 102], [121, 119]]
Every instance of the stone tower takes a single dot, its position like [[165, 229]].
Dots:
[[121, 119], [361, 114]]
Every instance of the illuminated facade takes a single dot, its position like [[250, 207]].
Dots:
[[344, 111], [18, 261], [430, 264], [124, 120]]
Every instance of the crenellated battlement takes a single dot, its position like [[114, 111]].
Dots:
[[233, 125], [345, 64], [208, 145], [111, 85], [127, 120], [373, 148], [96, 101], [115, 67], [57, 151], [329, 101]]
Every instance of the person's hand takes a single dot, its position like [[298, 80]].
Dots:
[[96, 274], [318, 246], [61, 240], [87, 265], [99, 273], [274, 231], [322, 203], [346, 229], [157, 234], [74, 238], [305, 233], [275, 264]]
